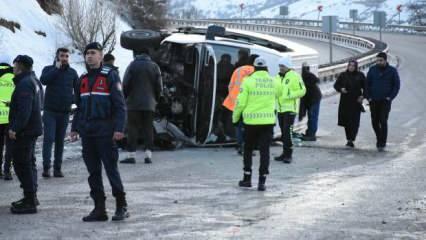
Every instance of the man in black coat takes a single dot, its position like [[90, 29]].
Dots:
[[59, 80], [142, 87], [25, 126], [382, 87], [310, 103]]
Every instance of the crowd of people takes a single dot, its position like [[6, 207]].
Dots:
[[105, 106]]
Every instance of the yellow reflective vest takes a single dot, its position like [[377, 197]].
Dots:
[[6, 89], [291, 89], [257, 100]]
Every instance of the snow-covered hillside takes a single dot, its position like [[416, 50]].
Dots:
[[305, 9], [31, 17]]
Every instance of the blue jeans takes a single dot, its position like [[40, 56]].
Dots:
[[55, 128], [313, 114]]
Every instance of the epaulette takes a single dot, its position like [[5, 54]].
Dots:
[[105, 70]]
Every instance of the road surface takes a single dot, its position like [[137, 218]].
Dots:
[[329, 192]]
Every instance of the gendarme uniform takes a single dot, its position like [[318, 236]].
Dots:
[[291, 90], [256, 106], [101, 111]]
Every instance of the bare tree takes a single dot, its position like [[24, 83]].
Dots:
[[90, 21], [144, 13], [417, 13]]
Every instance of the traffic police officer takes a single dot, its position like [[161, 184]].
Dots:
[[256, 106], [99, 120], [24, 127], [6, 90], [291, 90]]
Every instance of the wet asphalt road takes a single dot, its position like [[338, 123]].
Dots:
[[329, 192]]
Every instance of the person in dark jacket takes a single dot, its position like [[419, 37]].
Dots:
[[109, 61], [142, 86], [59, 80], [25, 126], [350, 85], [99, 120], [310, 103], [381, 89]]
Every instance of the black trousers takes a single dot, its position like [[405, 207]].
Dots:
[[4, 145], [286, 122], [140, 122], [24, 162], [98, 150], [379, 117], [261, 136], [351, 133]]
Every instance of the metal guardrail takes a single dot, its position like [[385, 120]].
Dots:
[[327, 72], [359, 26]]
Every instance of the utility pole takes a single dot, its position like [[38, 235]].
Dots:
[[330, 25], [353, 13], [242, 6]]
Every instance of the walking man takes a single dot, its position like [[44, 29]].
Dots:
[[24, 127], [59, 80], [99, 120], [381, 89], [142, 86], [256, 106], [291, 88]]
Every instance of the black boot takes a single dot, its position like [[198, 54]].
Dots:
[[98, 214], [246, 182], [27, 205], [261, 184], [121, 209], [129, 160], [8, 176], [46, 173], [288, 156], [57, 173], [279, 158]]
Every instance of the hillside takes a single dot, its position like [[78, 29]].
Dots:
[[305, 9], [31, 17]]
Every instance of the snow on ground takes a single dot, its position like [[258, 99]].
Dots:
[[31, 17]]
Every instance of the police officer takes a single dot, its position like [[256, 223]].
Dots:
[[256, 106], [24, 127], [99, 120], [6, 90], [292, 89]]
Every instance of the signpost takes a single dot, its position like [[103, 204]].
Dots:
[[284, 11], [399, 9], [380, 21], [319, 8], [353, 13], [330, 25], [242, 6]]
